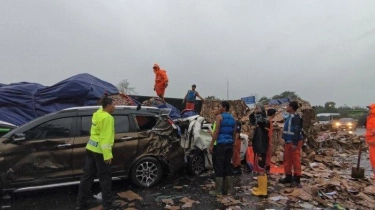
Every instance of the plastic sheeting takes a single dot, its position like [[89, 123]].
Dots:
[[23, 102]]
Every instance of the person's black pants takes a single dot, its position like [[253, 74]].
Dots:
[[223, 158], [95, 164]]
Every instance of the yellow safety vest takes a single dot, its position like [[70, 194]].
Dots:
[[102, 134]]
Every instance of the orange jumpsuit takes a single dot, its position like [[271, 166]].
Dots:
[[370, 135], [161, 79]]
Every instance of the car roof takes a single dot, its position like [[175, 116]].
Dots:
[[328, 114], [117, 107]]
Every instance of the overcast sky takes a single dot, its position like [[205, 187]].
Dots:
[[322, 50]]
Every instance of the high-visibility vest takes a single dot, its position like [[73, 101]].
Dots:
[[102, 134]]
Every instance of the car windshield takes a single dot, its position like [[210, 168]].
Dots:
[[346, 120], [323, 118]]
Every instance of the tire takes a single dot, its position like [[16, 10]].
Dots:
[[146, 172], [196, 164]]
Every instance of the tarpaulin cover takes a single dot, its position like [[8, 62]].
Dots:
[[174, 114], [22, 102], [278, 101], [188, 113]]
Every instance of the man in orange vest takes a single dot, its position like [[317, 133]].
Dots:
[[370, 136], [161, 81]]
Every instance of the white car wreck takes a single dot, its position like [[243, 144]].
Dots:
[[196, 142]]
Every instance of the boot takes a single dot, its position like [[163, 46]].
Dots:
[[296, 181], [228, 189], [288, 179], [262, 186], [237, 170], [218, 186]]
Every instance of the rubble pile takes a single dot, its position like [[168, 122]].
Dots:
[[119, 99]]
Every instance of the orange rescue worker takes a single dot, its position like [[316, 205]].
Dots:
[[370, 136], [161, 81], [293, 137]]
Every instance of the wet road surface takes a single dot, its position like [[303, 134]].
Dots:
[[65, 197]]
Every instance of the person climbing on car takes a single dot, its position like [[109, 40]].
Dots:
[[99, 157], [270, 114], [161, 81], [370, 136], [236, 159], [224, 135], [190, 98], [260, 143], [293, 138]]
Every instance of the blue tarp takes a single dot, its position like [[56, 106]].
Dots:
[[22, 102], [278, 101], [174, 114]]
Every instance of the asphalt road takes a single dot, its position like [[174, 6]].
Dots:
[[64, 198]]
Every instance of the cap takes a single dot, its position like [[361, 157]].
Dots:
[[194, 85]]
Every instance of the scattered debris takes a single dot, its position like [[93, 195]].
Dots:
[[130, 196]]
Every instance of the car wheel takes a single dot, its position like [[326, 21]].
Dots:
[[196, 164], [146, 172]]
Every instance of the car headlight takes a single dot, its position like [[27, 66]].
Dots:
[[350, 124], [338, 124]]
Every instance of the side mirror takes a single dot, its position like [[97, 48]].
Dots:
[[18, 137]]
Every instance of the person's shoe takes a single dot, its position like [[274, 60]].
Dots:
[[229, 190], [113, 206], [218, 186], [288, 179], [237, 170], [296, 181], [262, 186]]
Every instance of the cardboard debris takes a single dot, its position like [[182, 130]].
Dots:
[[130, 195]]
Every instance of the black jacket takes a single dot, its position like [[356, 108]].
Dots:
[[260, 137]]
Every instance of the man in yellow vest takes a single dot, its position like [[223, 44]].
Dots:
[[99, 157]]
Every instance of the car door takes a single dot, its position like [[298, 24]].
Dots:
[[44, 155], [124, 149]]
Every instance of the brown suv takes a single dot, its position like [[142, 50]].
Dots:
[[50, 151]]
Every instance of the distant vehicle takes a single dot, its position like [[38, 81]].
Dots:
[[346, 124], [328, 118], [6, 127]]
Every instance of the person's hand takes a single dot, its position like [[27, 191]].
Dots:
[[294, 147], [108, 161], [211, 148]]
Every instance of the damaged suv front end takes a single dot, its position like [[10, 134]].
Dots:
[[50, 151]]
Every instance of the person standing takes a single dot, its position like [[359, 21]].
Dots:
[[236, 159], [213, 127], [224, 135], [260, 144], [370, 136], [99, 157], [270, 114], [293, 138], [161, 81], [190, 97]]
